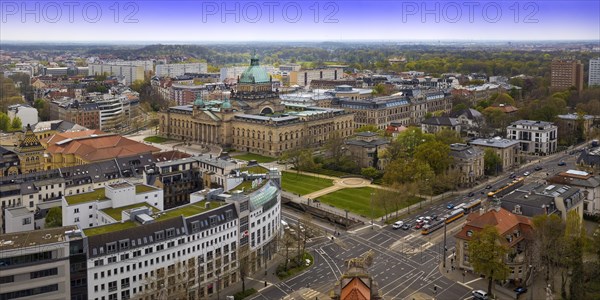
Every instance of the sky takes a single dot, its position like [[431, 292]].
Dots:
[[304, 20]]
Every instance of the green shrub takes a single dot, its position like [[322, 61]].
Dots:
[[242, 295]]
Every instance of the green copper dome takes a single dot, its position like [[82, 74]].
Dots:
[[198, 101], [255, 73], [226, 104]]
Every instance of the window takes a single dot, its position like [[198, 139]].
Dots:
[[43, 273], [111, 247], [112, 286], [112, 259], [26, 221]]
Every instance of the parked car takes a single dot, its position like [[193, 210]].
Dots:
[[489, 186], [450, 206], [398, 224], [537, 168], [406, 227], [419, 225], [520, 290], [471, 194], [479, 294], [420, 219], [562, 163], [513, 176], [434, 217]]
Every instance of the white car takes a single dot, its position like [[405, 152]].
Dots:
[[398, 225], [420, 219], [480, 295], [526, 173]]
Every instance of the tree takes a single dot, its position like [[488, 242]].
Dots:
[[335, 147], [407, 142], [287, 241], [4, 122], [385, 198], [54, 217], [448, 136], [303, 233], [491, 162], [16, 124], [173, 282], [486, 254], [436, 154], [548, 247], [401, 171], [43, 109], [574, 240], [369, 172], [368, 128]]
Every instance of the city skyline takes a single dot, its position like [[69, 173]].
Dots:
[[195, 21]]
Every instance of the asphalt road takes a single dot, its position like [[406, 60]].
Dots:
[[406, 262]]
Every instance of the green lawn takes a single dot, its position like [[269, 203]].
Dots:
[[140, 188], [356, 200], [155, 139], [303, 184], [186, 211], [257, 157], [115, 213], [189, 210], [255, 170], [97, 194], [109, 228]]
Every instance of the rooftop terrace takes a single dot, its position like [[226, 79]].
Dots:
[[185, 211], [97, 194], [115, 212]]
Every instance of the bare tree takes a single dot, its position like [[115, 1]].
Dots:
[[172, 282], [385, 198], [302, 236]]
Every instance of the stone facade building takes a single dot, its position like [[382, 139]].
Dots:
[[254, 119]]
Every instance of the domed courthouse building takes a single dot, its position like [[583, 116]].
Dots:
[[254, 119]]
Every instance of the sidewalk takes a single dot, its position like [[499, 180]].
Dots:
[[427, 200], [475, 282], [255, 281], [325, 207]]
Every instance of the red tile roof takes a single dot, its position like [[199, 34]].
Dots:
[[502, 219], [95, 145]]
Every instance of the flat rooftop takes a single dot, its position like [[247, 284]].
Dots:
[[115, 212], [33, 238], [184, 211], [97, 194], [141, 188]]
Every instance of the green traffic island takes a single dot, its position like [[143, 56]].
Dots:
[[244, 294], [155, 139], [257, 157], [294, 266]]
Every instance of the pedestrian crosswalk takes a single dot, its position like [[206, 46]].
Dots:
[[305, 294]]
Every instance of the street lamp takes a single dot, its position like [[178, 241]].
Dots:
[[372, 194], [444, 252]]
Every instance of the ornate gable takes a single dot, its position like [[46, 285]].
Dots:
[[29, 143]]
